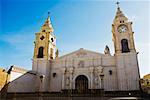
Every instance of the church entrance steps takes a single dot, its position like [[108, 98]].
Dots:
[[68, 95]]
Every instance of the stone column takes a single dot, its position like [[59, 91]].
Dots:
[[71, 77], [91, 76], [63, 78]]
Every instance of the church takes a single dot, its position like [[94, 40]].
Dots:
[[82, 70]]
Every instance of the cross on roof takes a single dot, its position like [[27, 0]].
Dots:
[[117, 3], [48, 13]]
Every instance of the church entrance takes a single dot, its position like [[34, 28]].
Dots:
[[81, 84]]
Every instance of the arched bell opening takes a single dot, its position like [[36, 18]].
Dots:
[[40, 52], [125, 47]]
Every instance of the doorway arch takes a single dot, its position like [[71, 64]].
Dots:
[[81, 83]]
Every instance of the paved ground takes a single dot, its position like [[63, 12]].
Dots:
[[127, 98], [77, 98]]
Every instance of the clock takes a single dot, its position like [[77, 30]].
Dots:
[[122, 28]]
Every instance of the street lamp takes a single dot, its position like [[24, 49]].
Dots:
[[102, 82], [42, 77]]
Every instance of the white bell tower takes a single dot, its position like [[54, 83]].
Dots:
[[125, 53]]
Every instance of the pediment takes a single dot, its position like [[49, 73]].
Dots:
[[82, 53]]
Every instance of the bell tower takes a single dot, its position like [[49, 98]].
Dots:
[[45, 42], [45, 52], [122, 33], [125, 53]]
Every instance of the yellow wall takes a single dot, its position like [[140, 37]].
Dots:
[[146, 80], [145, 83], [3, 77]]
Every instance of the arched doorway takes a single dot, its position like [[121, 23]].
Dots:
[[81, 84]]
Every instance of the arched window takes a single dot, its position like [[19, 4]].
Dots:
[[40, 52], [124, 44], [52, 51]]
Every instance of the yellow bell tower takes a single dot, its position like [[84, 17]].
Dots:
[[44, 53], [45, 42]]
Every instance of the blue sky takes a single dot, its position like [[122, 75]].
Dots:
[[77, 24]]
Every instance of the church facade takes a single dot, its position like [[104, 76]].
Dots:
[[83, 69]]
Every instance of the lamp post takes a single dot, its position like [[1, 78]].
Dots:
[[40, 88], [71, 82], [102, 80]]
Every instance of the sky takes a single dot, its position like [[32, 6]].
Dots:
[[77, 24]]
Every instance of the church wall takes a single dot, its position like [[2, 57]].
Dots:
[[110, 79], [108, 60], [121, 73], [42, 66], [16, 72], [132, 71], [97, 61], [56, 80], [74, 62], [90, 62], [127, 71], [14, 75], [88, 57], [25, 83]]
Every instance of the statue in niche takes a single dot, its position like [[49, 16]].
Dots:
[[100, 71], [66, 71], [96, 80], [67, 81], [107, 50], [57, 53]]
